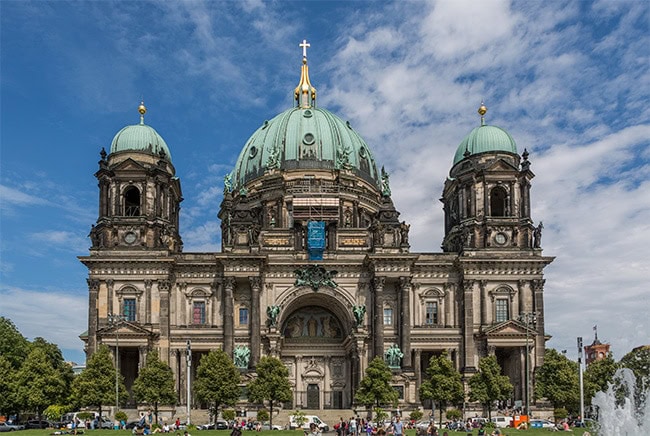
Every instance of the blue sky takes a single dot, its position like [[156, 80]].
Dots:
[[569, 80]]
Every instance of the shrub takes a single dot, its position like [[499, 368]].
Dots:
[[560, 413], [453, 414], [228, 414], [416, 415], [55, 412], [262, 415], [84, 415], [380, 414], [121, 415], [299, 418]]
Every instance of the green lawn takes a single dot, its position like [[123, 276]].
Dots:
[[531, 432]]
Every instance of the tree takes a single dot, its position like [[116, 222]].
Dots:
[[217, 380], [557, 380], [155, 383], [37, 383], [375, 388], [13, 346], [598, 375], [445, 385], [488, 385], [7, 388], [55, 357], [271, 385], [95, 385]]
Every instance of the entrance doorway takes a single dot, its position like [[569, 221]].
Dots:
[[313, 396]]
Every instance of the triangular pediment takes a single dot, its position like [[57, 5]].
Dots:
[[126, 329], [499, 165], [510, 328], [129, 165]]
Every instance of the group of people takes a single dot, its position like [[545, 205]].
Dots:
[[361, 427]]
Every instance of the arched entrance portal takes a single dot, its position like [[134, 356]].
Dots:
[[317, 349]]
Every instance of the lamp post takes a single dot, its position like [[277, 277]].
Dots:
[[188, 357], [582, 392], [115, 320], [529, 319]]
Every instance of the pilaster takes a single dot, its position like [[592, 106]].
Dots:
[[255, 323], [405, 324], [228, 322], [379, 316], [93, 291], [468, 327]]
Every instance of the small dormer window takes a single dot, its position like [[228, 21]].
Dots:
[[132, 201]]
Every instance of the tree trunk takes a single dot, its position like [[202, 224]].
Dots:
[[271, 414], [440, 408], [155, 412]]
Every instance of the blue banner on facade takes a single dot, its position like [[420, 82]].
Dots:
[[316, 239]]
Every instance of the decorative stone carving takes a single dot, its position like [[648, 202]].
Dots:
[[273, 312], [315, 276]]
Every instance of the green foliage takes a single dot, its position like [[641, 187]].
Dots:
[[155, 383], [416, 415], [13, 346], [217, 380], [121, 415], [380, 414], [262, 415], [557, 380], [454, 414], [7, 388], [375, 388], [228, 414], [57, 361], [38, 383], [271, 385], [488, 385], [84, 415], [56, 411], [560, 413], [95, 385], [598, 375], [444, 385], [299, 418]]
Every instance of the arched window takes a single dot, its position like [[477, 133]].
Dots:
[[132, 201], [498, 201]]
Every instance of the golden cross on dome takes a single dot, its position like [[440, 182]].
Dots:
[[304, 46]]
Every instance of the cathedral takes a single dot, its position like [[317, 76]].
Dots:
[[315, 266]]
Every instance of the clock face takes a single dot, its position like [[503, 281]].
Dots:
[[500, 238], [130, 238]]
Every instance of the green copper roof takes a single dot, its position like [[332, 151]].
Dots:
[[304, 138], [484, 139], [140, 137]]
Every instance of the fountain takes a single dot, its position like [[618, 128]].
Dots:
[[622, 417]]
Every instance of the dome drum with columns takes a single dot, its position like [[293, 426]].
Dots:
[[316, 267]]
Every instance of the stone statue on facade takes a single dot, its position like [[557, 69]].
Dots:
[[385, 187], [404, 232], [273, 161], [227, 183], [537, 235], [241, 356], [393, 356], [272, 312], [359, 313]]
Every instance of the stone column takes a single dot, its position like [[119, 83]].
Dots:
[[228, 322], [379, 316], [405, 322], [147, 301], [484, 302], [110, 283], [93, 291], [521, 289], [255, 322], [142, 357], [214, 298], [164, 286], [468, 326], [538, 299], [417, 367]]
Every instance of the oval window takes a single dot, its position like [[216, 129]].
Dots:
[[308, 139], [307, 113], [362, 152], [253, 152]]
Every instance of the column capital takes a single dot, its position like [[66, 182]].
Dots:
[[379, 282], [256, 282], [405, 282], [93, 285]]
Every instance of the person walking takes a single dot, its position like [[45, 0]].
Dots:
[[398, 426]]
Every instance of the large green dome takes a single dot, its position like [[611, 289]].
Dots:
[[484, 139], [140, 137], [304, 138]]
